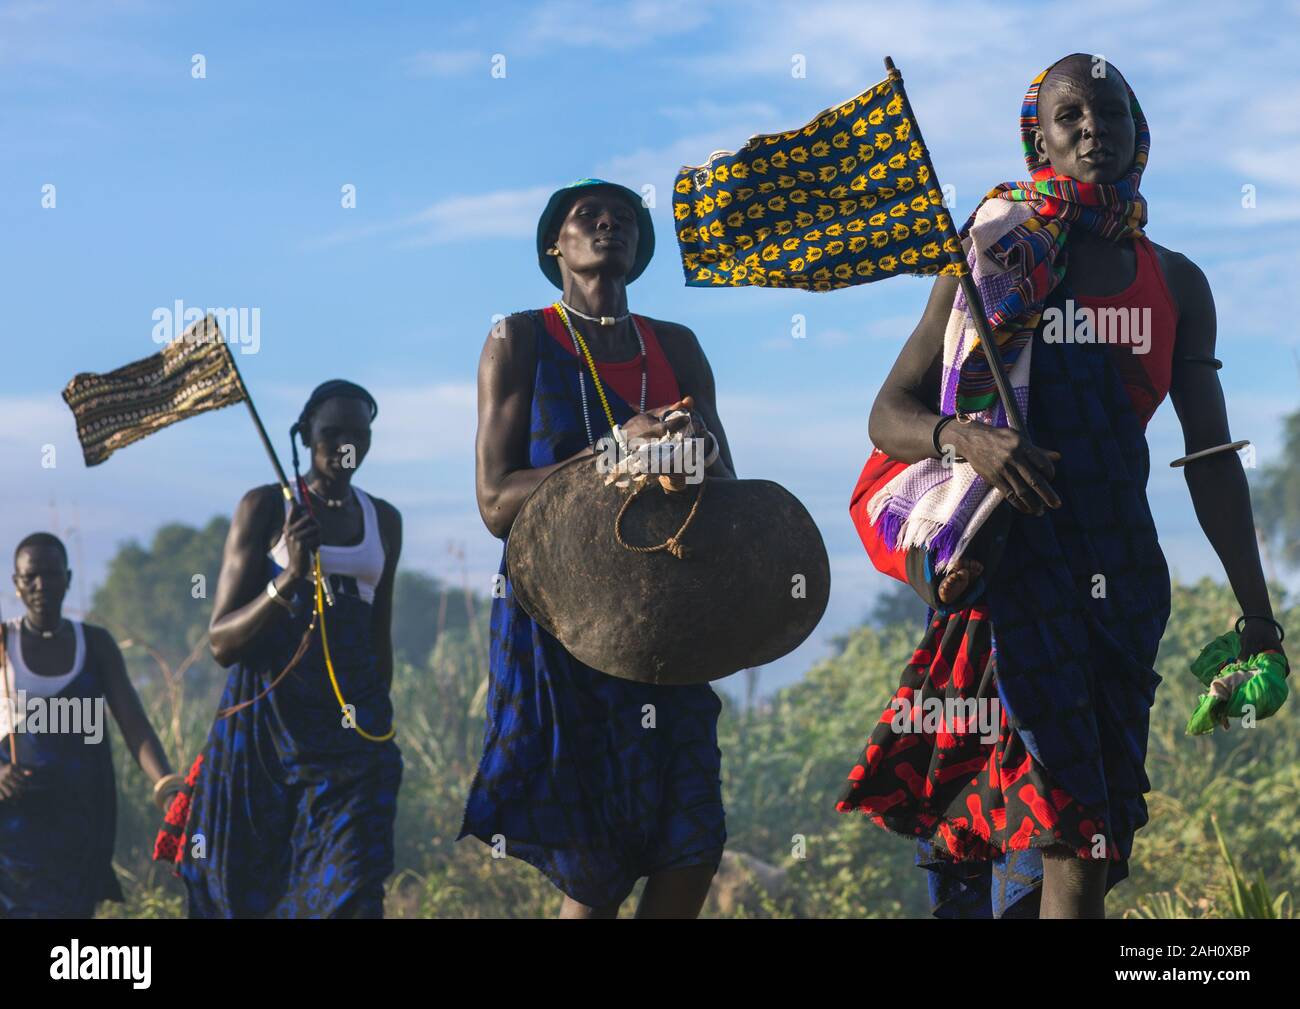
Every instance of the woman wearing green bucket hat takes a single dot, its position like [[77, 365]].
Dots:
[[596, 781]]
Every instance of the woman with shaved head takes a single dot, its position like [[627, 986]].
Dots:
[[1037, 817], [58, 799]]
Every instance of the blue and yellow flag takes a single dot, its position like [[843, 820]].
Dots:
[[849, 199]]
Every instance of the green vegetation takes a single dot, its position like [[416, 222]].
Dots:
[[784, 761], [1277, 498]]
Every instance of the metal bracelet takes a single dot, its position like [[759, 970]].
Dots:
[[1205, 453], [274, 593], [938, 427], [1241, 625], [711, 456], [165, 782], [1213, 362]]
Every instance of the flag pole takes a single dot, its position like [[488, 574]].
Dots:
[[266, 444], [257, 423], [1015, 420]]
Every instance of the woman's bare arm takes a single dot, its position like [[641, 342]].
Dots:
[[903, 415], [1217, 483], [123, 701], [503, 478], [242, 610]]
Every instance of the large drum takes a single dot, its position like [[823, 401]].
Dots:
[[668, 588]]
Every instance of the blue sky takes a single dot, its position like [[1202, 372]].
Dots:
[[226, 191]]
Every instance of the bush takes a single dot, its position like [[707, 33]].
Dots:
[[785, 759]]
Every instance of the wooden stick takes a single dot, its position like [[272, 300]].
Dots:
[[257, 423], [1015, 420], [266, 442]]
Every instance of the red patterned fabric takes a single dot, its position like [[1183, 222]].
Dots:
[[972, 798], [169, 845]]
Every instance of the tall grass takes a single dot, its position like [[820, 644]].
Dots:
[[1222, 840]]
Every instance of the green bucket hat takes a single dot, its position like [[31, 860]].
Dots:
[[645, 246]]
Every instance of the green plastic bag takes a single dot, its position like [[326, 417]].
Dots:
[[1261, 689], [1214, 656]]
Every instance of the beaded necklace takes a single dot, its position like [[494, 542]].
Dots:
[[580, 345], [47, 635], [328, 502]]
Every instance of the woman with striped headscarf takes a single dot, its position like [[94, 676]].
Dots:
[[1034, 813]]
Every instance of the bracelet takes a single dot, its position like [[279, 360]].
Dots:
[[938, 427], [1213, 362], [711, 456], [274, 593], [167, 781], [1205, 452], [1241, 625]]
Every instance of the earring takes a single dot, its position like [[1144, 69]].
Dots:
[[553, 251]]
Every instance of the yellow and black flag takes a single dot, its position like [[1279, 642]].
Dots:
[[193, 374], [848, 199]]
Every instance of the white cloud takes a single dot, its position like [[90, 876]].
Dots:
[[431, 423], [1212, 109], [613, 25], [509, 213], [446, 62], [659, 165], [504, 214], [28, 422], [565, 26], [78, 38], [729, 113]]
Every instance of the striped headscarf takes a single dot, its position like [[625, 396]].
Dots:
[[1035, 250]]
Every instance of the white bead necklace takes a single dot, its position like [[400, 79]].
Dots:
[[47, 635], [329, 502], [582, 387], [601, 320]]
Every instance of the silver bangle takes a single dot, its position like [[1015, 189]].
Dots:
[[1193, 456], [712, 456], [164, 787], [274, 593]]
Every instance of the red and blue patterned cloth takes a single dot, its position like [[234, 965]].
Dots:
[[573, 777], [1071, 667], [291, 812]]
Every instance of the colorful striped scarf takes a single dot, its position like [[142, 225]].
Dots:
[[1017, 257], [1034, 251]]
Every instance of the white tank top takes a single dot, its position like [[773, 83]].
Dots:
[[17, 676], [361, 565]]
